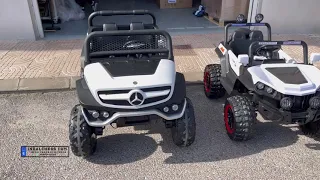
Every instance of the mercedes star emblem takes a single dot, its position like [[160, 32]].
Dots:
[[136, 98]]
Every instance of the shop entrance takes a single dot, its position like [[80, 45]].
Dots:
[[176, 18]]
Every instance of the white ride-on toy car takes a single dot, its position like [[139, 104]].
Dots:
[[259, 76], [128, 78]]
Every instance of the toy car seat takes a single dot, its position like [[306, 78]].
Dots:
[[256, 35], [239, 43]]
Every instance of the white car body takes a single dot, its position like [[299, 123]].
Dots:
[[260, 74], [99, 79]]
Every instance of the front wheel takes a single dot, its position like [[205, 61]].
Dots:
[[311, 129], [239, 118], [184, 128], [83, 141]]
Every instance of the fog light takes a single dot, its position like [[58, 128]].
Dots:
[[105, 114], [175, 107], [260, 86], [286, 103], [94, 114], [269, 90], [315, 102], [166, 109]]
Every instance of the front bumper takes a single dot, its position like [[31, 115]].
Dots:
[[273, 113], [118, 115]]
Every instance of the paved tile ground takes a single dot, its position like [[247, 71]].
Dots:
[[60, 58]]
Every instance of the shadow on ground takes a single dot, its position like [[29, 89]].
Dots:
[[123, 149], [212, 143]]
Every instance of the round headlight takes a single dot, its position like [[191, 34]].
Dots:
[[315, 102], [269, 90], [286, 103], [175, 107], [260, 85], [166, 109], [259, 18], [240, 18], [94, 114], [105, 114]]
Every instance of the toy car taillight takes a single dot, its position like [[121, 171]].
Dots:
[[315, 102], [286, 103]]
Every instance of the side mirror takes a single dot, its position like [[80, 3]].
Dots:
[[315, 57]]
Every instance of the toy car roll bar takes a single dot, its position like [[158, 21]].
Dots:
[[116, 51], [244, 25], [116, 13], [273, 43]]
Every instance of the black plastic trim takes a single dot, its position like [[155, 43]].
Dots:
[[120, 13]]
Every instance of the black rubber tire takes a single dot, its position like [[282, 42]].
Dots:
[[239, 118], [211, 79], [83, 141], [184, 129], [311, 129]]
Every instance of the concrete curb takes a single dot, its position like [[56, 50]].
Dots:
[[65, 83]]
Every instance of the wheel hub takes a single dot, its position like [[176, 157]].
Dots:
[[206, 81]]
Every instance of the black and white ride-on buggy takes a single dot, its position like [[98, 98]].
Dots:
[[129, 79], [259, 76]]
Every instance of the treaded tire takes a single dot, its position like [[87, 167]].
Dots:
[[239, 118], [184, 130], [311, 129], [83, 141], [211, 79]]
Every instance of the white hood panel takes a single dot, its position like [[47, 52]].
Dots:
[[310, 73], [99, 79]]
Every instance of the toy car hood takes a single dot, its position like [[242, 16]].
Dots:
[[98, 78], [289, 79]]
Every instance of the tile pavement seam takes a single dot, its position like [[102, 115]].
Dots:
[[32, 84]]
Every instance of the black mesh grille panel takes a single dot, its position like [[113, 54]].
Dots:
[[125, 43]]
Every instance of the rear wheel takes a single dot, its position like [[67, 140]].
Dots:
[[83, 141], [239, 118], [211, 79], [311, 129], [184, 128]]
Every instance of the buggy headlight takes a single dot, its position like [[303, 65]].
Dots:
[[286, 103], [260, 85], [240, 18], [315, 102], [259, 18]]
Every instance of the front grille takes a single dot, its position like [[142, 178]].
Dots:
[[126, 102], [124, 42]]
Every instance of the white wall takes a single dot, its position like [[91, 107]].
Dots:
[[15, 20], [292, 16]]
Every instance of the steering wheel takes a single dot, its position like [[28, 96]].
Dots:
[[267, 50]]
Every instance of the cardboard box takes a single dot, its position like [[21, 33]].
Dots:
[[164, 4], [226, 10]]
